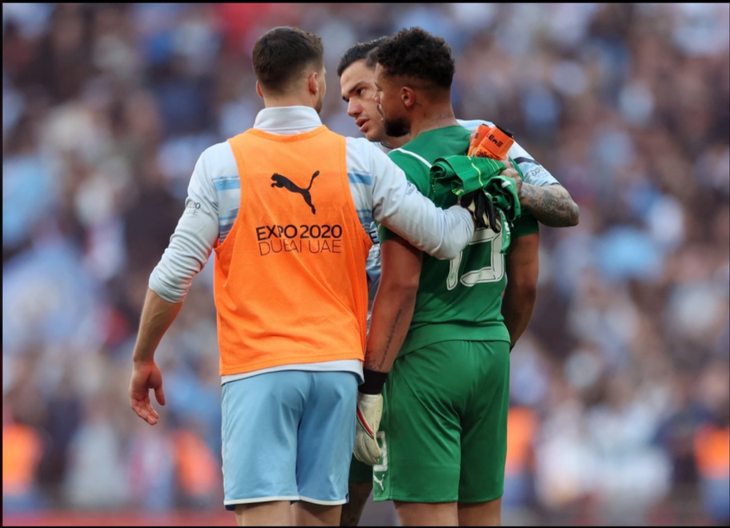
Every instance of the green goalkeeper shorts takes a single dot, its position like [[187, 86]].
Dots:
[[443, 436]]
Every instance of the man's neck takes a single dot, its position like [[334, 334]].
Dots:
[[274, 102], [431, 117], [395, 142]]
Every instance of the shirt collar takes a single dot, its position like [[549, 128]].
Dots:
[[287, 119]]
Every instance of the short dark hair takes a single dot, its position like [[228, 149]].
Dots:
[[372, 59], [282, 54], [417, 54], [359, 51]]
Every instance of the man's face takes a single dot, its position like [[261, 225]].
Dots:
[[390, 104], [358, 91]]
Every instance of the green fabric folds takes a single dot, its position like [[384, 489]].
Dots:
[[464, 174]]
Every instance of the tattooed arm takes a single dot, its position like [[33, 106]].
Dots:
[[551, 205], [391, 317], [394, 303]]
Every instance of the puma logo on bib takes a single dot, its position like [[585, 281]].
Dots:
[[286, 183]]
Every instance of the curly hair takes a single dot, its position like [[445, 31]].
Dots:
[[417, 54], [359, 51]]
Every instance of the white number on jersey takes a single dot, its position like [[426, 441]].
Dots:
[[492, 273]]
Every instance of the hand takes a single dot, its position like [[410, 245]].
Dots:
[[146, 376], [510, 172], [482, 210], [369, 412]]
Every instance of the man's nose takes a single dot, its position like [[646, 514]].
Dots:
[[353, 109]]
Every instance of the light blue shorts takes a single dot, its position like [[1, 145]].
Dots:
[[288, 435]]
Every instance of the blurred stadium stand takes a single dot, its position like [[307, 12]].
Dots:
[[620, 385]]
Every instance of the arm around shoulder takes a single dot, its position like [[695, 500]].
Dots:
[[399, 206]]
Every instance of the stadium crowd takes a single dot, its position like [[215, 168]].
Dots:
[[620, 386]]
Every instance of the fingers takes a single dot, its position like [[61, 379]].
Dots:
[[160, 395], [373, 450], [366, 449], [143, 408], [361, 456], [145, 377], [494, 218], [472, 204]]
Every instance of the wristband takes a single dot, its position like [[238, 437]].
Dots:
[[373, 383]]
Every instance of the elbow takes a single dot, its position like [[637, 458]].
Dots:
[[408, 296], [531, 293], [450, 249], [525, 291], [408, 289], [528, 291], [446, 253], [567, 212], [574, 215], [447, 249], [404, 289], [167, 286], [451, 246]]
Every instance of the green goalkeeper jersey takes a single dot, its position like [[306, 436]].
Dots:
[[459, 299]]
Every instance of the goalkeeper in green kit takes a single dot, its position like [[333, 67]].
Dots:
[[441, 331]]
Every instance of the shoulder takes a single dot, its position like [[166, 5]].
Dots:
[[417, 168], [362, 155], [218, 161], [473, 124], [404, 157], [361, 145]]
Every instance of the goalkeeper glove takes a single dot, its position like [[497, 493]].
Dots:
[[369, 412], [480, 205], [490, 142]]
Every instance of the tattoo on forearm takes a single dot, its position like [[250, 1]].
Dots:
[[551, 205], [386, 352]]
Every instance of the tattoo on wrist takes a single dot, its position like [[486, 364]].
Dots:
[[378, 366]]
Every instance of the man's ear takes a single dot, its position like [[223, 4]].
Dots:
[[312, 83], [408, 97], [258, 90]]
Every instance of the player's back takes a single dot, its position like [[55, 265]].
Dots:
[[460, 297]]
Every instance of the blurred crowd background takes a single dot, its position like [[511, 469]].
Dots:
[[620, 386]]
